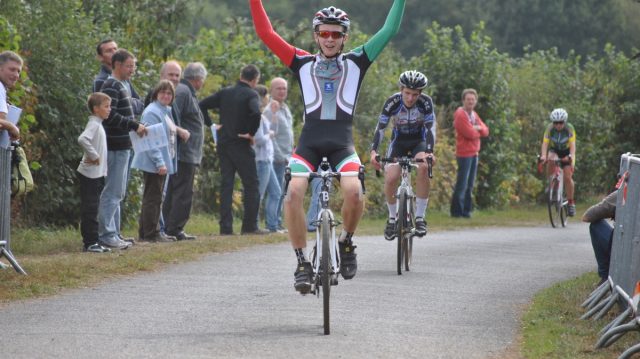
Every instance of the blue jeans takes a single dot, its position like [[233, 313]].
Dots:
[[601, 238], [461, 203], [314, 204], [279, 168], [115, 188], [268, 183]]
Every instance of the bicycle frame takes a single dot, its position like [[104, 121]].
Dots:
[[559, 175], [406, 165]]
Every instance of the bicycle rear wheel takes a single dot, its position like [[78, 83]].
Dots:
[[325, 267], [401, 224], [552, 203], [408, 242]]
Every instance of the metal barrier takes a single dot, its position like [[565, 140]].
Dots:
[[624, 267], [623, 285], [5, 210]]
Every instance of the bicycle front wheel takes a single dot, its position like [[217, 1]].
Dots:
[[564, 212], [408, 242], [325, 267], [401, 227], [553, 204]]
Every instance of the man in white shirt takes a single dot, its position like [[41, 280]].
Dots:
[[282, 125], [10, 67]]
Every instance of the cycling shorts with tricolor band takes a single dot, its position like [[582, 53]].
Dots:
[[400, 147], [325, 138]]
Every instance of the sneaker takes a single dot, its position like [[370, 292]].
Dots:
[[127, 239], [183, 236], [159, 238], [390, 229], [96, 248], [257, 231], [302, 277], [348, 262], [421, 227], [571, 210], [116, 243], [279, 231]]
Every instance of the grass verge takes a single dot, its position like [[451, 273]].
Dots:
[[551, 327]]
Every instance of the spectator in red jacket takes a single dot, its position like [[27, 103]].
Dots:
[[469, 129]]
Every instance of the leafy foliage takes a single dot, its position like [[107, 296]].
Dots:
[[516, 93]]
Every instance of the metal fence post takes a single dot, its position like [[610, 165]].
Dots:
[[5, 209]]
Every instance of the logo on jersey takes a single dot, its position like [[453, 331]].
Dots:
[[328, 87]]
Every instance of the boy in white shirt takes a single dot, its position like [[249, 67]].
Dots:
[[93, 169]]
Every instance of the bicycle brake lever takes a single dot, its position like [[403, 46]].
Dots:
[[287, 179], [361, 178]]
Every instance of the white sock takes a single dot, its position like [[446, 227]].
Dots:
[[393, 209], [421, 206], [343, 236]]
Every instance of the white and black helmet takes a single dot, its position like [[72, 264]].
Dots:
[[413, 80], [331, 16], [559, 115]]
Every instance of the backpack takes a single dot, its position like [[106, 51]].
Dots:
[[21, 179]]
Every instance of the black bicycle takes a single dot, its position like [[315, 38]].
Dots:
[[326, 266], [406, 200]]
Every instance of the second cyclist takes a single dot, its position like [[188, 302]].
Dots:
[[412, 118]]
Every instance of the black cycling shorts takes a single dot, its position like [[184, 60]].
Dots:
[[400, 147]]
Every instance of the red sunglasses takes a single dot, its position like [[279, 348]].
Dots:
[[334, 34]]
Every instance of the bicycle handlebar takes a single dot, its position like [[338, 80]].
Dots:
[[323, 172], [556, 160], [406, 161]]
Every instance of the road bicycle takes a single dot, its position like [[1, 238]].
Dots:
[[406, 200], [556, 198], [325, 256]]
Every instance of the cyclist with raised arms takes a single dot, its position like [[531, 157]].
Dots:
[[559, 142], [412, 117], [329, 82]]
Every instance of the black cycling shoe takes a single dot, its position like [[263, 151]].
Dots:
[[571, 210], [302, 277], [390, 229], [421, 227], [348, 262]]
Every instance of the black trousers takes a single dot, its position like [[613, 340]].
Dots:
[[176, 208], [151, 205], [90, 190], [240, 158]]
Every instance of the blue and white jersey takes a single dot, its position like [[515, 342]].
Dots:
[[417, 122]]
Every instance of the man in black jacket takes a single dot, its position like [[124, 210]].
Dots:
[[239, 109]]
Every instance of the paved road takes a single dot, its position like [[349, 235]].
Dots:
[[462, 300]]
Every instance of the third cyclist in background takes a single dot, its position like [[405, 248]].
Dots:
[[412, 118], [559, 142]]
